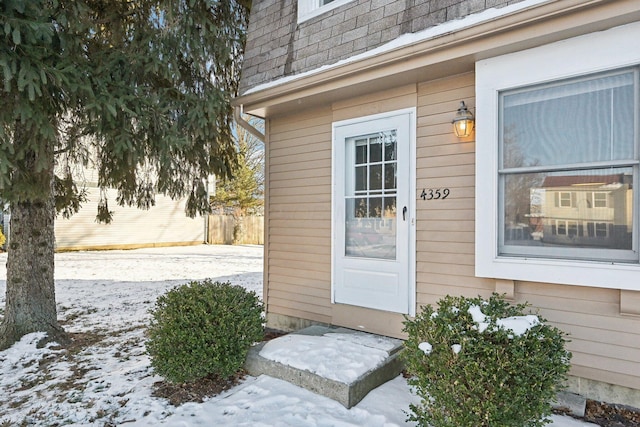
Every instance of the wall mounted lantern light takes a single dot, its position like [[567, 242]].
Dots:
[[464, 122]]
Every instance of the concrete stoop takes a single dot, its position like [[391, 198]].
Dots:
[[347, 394]]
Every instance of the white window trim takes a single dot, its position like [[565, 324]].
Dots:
[[596, 52], [605, 200], [308, 9], [562, 199]]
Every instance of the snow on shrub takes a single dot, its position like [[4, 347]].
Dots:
[[203, 328], [483, 363]]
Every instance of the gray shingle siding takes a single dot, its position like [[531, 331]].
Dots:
[[277, 46]]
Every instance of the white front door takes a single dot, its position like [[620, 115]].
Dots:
[[373, 212]]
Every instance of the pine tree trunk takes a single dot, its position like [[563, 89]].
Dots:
[[30, 294]]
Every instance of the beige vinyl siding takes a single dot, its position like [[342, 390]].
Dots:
[[162, 225], [604, 343], [445, 229], [298, 265], [381, 102]]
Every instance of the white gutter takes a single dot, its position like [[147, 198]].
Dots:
[[502, 30], [237, 115], [410, 39]]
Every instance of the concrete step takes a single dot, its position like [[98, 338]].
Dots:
[[339, 363]]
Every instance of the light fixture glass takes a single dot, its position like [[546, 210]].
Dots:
[[464, 122]]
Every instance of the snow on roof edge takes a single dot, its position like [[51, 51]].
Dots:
[[406, 40]]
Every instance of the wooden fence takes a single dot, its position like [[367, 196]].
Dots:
[[250, 230]]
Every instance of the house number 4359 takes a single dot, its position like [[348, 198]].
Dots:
[[435, 193]]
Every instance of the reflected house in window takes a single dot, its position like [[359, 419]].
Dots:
[[583, 210]]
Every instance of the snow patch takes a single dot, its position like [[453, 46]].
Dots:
[[478, 317], [519, 325], [368, 340], [425, 347], [331, 356]]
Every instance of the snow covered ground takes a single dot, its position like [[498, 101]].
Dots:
[[105, 297]]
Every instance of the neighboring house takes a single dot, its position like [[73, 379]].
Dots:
[[579, 211], [374, 207], [164, 224]]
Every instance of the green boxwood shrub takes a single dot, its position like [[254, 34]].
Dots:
[[203, 328], [483, 363]]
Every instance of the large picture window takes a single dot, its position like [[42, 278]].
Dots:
[[568, 160], [558, 162]]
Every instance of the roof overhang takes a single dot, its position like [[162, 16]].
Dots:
[[443, 55]]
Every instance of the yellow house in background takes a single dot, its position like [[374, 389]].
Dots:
[[164, 224], [374, 207], [586, 211]]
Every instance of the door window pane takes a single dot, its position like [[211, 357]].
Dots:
[[375, 207], [389, 145], [390, 176], [371, 212], [357, 208], [361, 151], [361, 178], [375, 177], [390, 208], [375, 153]]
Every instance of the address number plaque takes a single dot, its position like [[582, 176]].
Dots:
[[435, 193]]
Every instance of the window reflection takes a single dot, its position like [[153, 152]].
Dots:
[[371, 212], [567, 167], [578, 209]]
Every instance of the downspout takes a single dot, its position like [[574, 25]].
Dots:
[[237, 115]]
